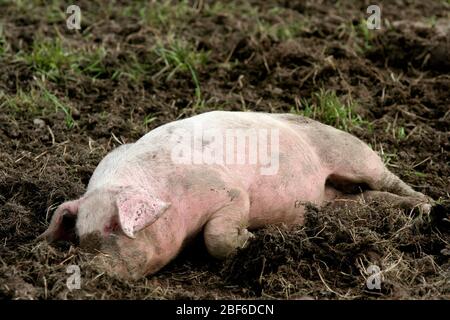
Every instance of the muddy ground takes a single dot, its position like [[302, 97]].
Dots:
[[67, 97]]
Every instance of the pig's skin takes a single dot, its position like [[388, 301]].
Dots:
[[224, 200]]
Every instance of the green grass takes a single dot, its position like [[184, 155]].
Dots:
[[149, 118], [55, 11], [181, 57], [3, 43], [326, 107], [91, 62], [59, 105], [37, 102], [133, 69], [400, 134], [283, 29], [231, 8], [365, 34], [51, 11], [358, 36], [280, 31], [278, 23], [397, 132], [431, 21], [389, 159], [164, 14], [22, 6], [419, 174], [22, 101], [51, 59]]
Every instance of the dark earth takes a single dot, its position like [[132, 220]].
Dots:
[[68, 97]]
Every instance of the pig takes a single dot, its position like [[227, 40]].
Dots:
[[147, 199]]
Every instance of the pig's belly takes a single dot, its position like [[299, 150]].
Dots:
[[281, 198], [271, 202]]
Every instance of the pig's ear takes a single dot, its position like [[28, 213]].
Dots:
[[62, 225], [138, 209]]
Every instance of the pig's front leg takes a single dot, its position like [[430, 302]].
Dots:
[[226, 229]]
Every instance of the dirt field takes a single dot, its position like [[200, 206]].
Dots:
[[68, 97]]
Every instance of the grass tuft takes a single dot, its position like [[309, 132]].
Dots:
[[4, 47], [37, 102], [59, 105], [51, 59], [165, 14], [326, 107], [179, 56]]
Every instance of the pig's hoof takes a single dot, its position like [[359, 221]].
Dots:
[[424, 204], [244, 238], [421, 205], [424, 208], [224, 245]]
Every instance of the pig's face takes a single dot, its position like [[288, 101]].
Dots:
[[110, 221]]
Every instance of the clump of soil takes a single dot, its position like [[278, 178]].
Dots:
[[336, 248]]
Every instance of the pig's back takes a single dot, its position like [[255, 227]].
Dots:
[[295, 147]]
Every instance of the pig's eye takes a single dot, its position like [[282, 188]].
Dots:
[[112, 227]]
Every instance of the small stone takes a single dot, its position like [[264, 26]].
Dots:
[[75, 113], [39, 123], [277, 90]]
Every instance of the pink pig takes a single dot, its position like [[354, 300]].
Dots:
[[147, 199]]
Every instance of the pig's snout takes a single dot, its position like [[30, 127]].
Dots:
[[116, 255], [92, 242]]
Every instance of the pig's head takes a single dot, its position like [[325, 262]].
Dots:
[[120, 211], [103, 219]]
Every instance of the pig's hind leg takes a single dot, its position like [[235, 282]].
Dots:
[[363, 172], [226, 230], [396, 201]]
